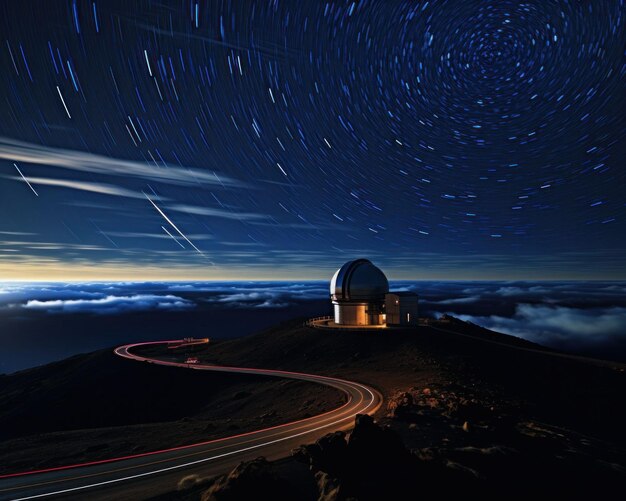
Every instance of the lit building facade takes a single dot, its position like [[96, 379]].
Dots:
[[357, 291], [401, 308], [360, 295]]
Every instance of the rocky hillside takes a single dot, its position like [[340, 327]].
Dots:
[[467, 411], [465, 407], [99, 405]]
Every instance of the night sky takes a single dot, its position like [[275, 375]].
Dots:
[[274, 139]]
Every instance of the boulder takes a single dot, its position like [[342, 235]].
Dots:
[[254, 479], [400, 405], [328, 454], [329, 487]]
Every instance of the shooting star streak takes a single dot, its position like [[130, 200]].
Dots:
[[173, 237], [173, 225], [104, 234], [25, 180], [63, 101]]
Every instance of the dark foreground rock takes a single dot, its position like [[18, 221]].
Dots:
[[373, 463], [250, 480]]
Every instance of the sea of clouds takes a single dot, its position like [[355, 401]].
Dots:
[[119, 297], [588, 317], [581, 316]]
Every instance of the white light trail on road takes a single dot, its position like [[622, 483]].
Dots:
[[190, 463], [343, 418]]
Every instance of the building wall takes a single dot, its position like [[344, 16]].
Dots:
[[392, 309], [401, 310], [358, 314]]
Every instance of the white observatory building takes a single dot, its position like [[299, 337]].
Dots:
[[360, 295], [357, 291]]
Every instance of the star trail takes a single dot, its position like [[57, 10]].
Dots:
[[243, 139]]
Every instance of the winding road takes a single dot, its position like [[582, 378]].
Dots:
[[149, 474]]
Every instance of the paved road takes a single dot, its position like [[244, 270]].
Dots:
[[145, 475]]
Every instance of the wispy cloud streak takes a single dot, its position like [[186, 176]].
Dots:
[[19, 151], [100, 188], [213, 212]]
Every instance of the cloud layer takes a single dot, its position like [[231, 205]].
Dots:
[[119, 297], [567, 315], [558, 325], [111, 304]]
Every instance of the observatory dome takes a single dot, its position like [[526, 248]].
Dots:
[[358, 280]]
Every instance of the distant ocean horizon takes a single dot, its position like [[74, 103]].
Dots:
[[41, 322]]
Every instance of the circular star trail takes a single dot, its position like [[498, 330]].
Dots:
[[486, 134]]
